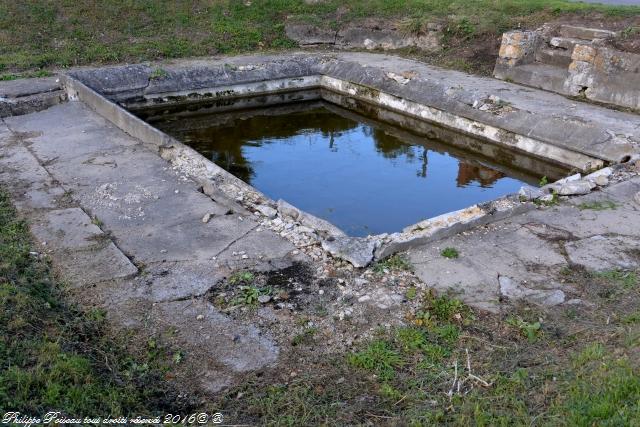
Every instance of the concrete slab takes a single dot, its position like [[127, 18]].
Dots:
[[31, 186], [527, 251], [221, 348], [67, 229], [26, 87], [600, 253], [86, 267], [485, 254]]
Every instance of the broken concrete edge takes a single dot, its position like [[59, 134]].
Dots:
[[540, 122], [31, 103], [449, 224]]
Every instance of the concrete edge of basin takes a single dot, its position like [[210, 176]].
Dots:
[[212, 177]]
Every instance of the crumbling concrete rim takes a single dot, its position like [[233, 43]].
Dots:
[[199, 168]]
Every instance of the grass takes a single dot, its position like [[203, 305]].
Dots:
[[56, 357], [461, 368], [80, 33], [450, 253], [597, 206], [625, 279], [395, 262]]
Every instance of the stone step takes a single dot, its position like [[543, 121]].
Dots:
[[556, 57], [583, 33], [542, 76], [567, 43]]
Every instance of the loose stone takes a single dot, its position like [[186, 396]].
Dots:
[[263, 299], [206, 218]]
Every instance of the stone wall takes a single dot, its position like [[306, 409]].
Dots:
[[573, 61], [606, 75], [368, 34]]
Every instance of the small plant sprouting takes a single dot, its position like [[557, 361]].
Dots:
[[249, 295], [527, 329], [597, 206], [552, 202], [305, 337], [450, 253], [241, 278], [395, 262], [96, 221], [543, 181], [158, 73]]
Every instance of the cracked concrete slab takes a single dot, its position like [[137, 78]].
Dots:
[[30, 184], [509, 250], [600, 253], [67, 229], [531, 248], [86, 267]]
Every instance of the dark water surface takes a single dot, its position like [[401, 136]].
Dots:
[[353, 173]]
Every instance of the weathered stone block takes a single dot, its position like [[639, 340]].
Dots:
[[583, 53], [518, 47]]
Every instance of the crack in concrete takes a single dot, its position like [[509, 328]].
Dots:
[[236, 240]]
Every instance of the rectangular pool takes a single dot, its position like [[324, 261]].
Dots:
[[361, 174]]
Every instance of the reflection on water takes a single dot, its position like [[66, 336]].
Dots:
[[354, 174]]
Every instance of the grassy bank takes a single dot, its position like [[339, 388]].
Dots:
[[36, 34], [453, 366], [55, 357]]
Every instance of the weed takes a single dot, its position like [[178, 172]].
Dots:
[[241, 277], [395, 262], [378, 357], [96, 221], [629, 32], [531, 330], [158, 73], [305, 337], [631, 318], [411, 293], [625, 279], [248, 295], [412, 25], [597, 206], [543, 181], [552, 202], [450, 253]]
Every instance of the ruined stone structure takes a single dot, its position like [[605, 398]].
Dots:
[[573, 61]]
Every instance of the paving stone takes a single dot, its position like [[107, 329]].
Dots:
[[220, 346], [599, 253], [30, 184], [511, 289], [67, 229], [80, 268], [25, 87]]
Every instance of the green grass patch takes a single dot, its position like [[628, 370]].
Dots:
[[624, 279], [450, 253], [60, 33], [597, 206], [379, 357], [397, 262]]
